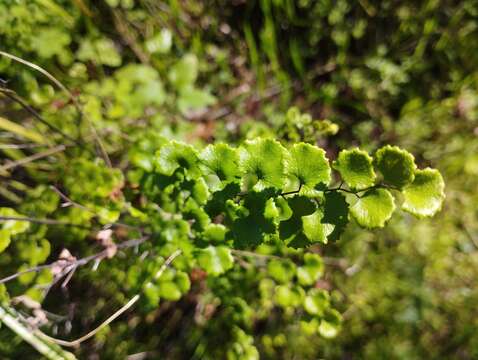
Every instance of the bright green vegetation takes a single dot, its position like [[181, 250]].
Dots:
[[266, 178], [270, 192]]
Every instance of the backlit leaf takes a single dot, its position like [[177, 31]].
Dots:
[[308, 165], [425, 195], [4, 239], [315, 229], [168, 290], [281, 270], [330, 324], [262, 162], [286, 296], [316, 302], [374, 208], [312, 269], [184, 73], [396, 165], [14, 227], [215, 232], [160, 43], [215, 260], [220, 161], [176, 155], [355, 168]]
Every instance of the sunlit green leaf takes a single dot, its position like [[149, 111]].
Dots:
[[315, 229], [316, 302], [330, 324], [193, 211], [425, 195], [308, 165], [160, 43], [215, 232], [327, 330], [222, 162], [215, 260], [182, 281], [396, 165], [281, 270], [262, 162], [14, 227], [374, 208], [152, 294], [312, 269], [355, 168], [177, 155], [286, 296], [271, 210], [168, 290], [4, 239], [184, 73], [52, 41], [102, 51], [3, 293]]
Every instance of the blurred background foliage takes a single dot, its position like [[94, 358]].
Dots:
[[363, 73]]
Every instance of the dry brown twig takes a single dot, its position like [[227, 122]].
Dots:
[[114, 316], [66, 264]]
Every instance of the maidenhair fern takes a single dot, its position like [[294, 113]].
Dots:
[[212, 202], [263, 191]]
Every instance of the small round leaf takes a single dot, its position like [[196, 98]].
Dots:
[[396, 165], [308, 165], [222, 161], [425, 195], [355, 168], [175, 155], [215, 260], [281, 270], [374, 208], [262, 162]]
